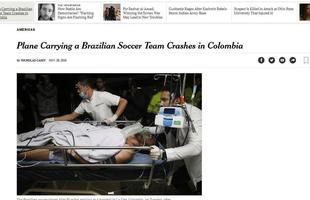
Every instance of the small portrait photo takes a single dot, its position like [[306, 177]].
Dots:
[[304, 12], [46, 11], [112, 12]]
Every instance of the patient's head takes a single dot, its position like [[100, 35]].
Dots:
[[141, 140], [147, 140]]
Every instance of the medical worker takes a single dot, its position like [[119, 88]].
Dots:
[[187, 148], [97, 104]]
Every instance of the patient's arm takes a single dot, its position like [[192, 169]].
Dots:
[[124, 156], [43, 154]]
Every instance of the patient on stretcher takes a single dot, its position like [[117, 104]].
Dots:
[[71, 134]]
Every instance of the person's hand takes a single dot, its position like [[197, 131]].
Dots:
[[110, 120], [46, 120], [156, 153]]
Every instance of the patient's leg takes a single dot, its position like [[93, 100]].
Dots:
[[37, 154]]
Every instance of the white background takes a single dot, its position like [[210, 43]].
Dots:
[[256, 130]]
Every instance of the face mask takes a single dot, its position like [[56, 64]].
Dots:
[[82, 95]]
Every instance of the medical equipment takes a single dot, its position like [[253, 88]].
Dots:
[[176, 116], [173, 117]]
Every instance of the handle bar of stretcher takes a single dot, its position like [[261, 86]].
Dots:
[[117, 121], [82, 147]]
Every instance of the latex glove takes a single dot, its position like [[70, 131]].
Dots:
[[156, 153], [46, 120], [110, 120]]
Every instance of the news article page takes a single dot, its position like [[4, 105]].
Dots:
[[155, 100]]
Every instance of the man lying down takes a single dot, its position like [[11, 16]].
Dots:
[[63, 133]]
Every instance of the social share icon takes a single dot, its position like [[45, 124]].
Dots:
[[282, 60], [261, 60], [292, 60], [271, 60]]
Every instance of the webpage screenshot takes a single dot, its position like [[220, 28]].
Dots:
[[155, 100]]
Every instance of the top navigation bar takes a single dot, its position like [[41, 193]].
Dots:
[[154, 12]]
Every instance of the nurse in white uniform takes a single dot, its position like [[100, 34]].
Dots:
[[95, 103]]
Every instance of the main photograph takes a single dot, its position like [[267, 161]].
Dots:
[[99, 134]]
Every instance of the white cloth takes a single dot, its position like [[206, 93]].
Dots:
[[99, 105], [191, 152], [59, 133]]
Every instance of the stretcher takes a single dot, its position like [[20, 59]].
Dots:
[[141, 168]]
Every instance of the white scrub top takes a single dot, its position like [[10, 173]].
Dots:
[[99, 105], [191, 152]]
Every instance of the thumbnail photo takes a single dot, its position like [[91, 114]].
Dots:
[[99, 134], [304, 10], [112, 12], [46, 11]]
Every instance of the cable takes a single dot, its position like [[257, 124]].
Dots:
[[141, 175], [35, 136], [23, 158], [39, 134], [96, 175], [73, 139], [180, 87], [184, 83], [26, 166], [188, 119], [188, 123], [194, 88]]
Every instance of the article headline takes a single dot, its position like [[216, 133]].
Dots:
[[147, 45]]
